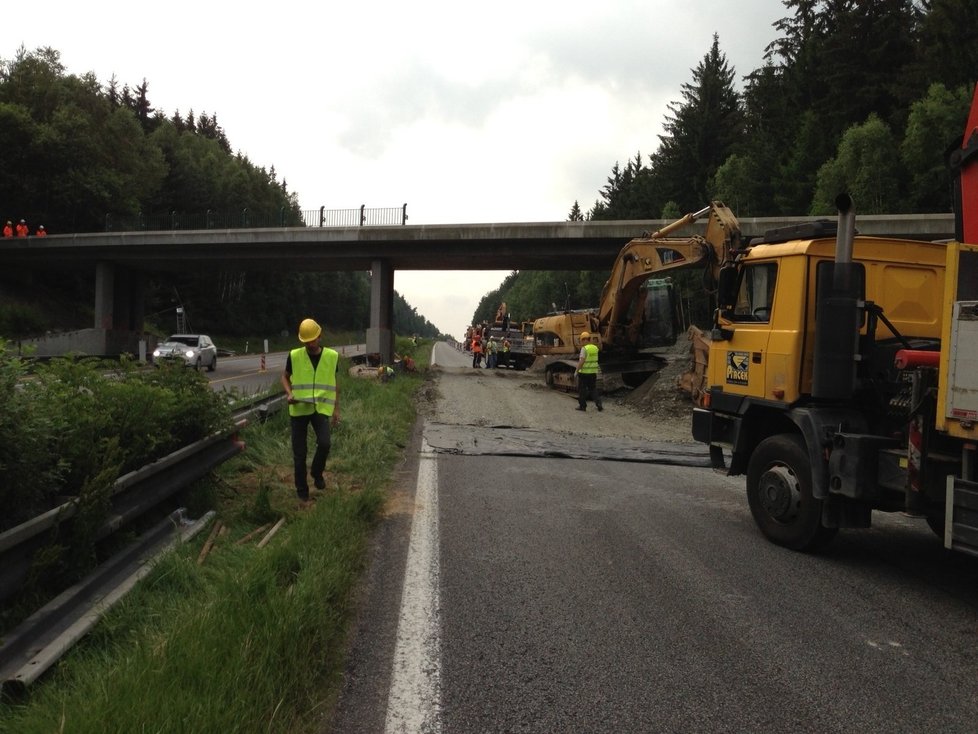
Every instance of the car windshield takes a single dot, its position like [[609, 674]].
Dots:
[[190, 341]]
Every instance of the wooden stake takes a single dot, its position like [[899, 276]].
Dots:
[[210, 542], [268, 537], [252, 534]]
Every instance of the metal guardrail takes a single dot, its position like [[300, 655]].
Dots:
[[246, 219], [39, 641]]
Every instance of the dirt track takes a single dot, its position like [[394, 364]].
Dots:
[[463, 395]]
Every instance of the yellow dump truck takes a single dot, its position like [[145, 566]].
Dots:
[[843, 375]]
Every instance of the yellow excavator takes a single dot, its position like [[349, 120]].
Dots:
[[637, 312]]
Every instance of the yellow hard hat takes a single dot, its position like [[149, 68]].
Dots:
[[309, 330], [585, 335]]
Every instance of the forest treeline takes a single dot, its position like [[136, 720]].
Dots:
[[862, 96], [78, 154]]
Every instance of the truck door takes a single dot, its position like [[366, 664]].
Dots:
[[745, 353]]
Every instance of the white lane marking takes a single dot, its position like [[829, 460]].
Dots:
[[413, 703]]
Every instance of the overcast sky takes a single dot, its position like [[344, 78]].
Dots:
[[497, 112]]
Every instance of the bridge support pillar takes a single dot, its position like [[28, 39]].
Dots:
[[119, 314], [380, 334], [119, 302], [104, 295]]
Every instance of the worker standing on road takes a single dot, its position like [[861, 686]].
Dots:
[[587, 374], [310, 387], [476, 350], [8, 229], [41, 232], [21, 228], [491, 352]]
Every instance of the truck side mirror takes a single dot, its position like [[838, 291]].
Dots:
[[727, 281]]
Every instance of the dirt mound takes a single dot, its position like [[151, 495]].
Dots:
[[660, 395]]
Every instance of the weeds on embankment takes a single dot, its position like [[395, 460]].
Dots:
[[251, 639]]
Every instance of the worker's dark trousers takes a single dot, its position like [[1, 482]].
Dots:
[[300, 429], [587, 388]]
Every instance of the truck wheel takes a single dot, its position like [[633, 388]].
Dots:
[[779, 492]]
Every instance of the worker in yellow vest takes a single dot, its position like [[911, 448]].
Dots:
[[587, 373], [309, 381]]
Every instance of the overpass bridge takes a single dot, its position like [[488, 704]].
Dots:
[[119, 261]]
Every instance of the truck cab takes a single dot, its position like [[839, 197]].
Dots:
[[762, 399]]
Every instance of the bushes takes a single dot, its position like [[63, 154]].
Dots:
[[86, 422]]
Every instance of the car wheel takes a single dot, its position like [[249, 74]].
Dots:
[[213, 364]]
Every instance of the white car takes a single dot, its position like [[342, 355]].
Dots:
[[196, 350]]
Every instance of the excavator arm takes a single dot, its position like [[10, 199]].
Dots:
[[656, 254]]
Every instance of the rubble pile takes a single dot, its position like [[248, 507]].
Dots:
[[671, 391]]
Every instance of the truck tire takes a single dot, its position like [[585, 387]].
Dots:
[[779, 492]]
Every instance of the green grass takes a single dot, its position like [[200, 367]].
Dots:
[[252, 639]]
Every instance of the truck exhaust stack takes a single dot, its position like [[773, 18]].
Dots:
[[838, 316]]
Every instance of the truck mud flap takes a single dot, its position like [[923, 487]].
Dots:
[[961, 516]]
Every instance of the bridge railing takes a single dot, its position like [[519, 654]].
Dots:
[[246, 219]]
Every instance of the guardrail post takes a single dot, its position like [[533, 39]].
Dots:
[[404, 214], [207, 220], [281, 216], [108, 225], [363, 215], [322, 216], [173, 219], [244, 217]]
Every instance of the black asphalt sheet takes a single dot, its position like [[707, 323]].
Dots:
[[471, 440]]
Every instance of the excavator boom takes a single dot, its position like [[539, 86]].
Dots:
[[655, 255]]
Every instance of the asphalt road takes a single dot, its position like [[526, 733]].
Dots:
[[525, 594], [249, 374]]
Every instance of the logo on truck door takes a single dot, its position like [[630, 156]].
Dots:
[[738, 366]]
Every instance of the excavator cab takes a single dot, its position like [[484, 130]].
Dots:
[[652, 319]]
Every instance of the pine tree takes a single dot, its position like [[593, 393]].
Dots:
[[948, 43], [700, 132]]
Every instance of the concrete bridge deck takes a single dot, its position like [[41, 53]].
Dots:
[[120, 260]]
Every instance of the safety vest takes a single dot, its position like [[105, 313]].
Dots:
[[314, 390], [590, 366]]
